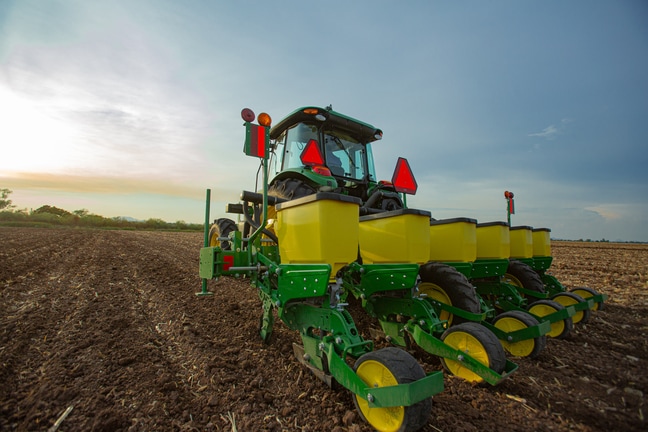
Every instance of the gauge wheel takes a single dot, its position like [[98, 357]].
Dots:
[[570, 298], [445, 284], [478, 342], [518, 320], [221, 228], [522, 275], [389, 367], [586, 292], [559, 329]]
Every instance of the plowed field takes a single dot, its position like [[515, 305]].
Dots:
[[105, 326]]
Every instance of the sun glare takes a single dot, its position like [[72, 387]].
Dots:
[[33, 139]]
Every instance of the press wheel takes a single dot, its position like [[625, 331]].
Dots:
[[389, 367], [559, 329], [517, 320], [478, 342], [569, 299], [586, 293]]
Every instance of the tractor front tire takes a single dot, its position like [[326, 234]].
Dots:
[[389, 367], [221, 228]]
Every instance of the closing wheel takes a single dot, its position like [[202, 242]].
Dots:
[[388, 367], [221, 228], [478, 342], [559, 329], [518, 320], [586, 293], [569, 299], [445, 284]]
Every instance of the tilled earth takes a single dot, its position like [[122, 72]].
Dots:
[[102, 331]]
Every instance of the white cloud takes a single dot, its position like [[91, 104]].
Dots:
[[552, 131]]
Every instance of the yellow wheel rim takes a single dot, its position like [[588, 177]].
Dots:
[[558, 327], [521, 348], [569, 301], [437, 293], [585, 294], [213, 236], [512, 280], [467, 343], [375, 374]]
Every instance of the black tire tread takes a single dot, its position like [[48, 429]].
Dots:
[[456, 286], [526, 275], [406, 369]]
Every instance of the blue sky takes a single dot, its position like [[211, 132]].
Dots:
[[133, 107]]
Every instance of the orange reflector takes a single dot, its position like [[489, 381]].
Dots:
[[311, 155], [311, 111], [322, 170], [403, 178], [264, 120]]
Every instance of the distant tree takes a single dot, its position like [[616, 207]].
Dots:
[[52, 210], [5, 202], [81, 212]]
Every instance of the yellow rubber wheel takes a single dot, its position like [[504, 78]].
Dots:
[[559, 329], [479, 343], [518, 320], [569, 299], [586, 293], [435, 292], [389, 367]]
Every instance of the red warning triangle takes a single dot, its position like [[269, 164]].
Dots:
[[403, 179], [311, 155]]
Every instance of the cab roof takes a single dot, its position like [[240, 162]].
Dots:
[[364, 132]]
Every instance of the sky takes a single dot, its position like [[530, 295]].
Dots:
[[132, 108]]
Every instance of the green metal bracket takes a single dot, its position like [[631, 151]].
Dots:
[[382, 397], [483, 268], [533, 332], [475, 317]]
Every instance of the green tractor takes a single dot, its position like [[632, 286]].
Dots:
[[302, 242], [319, 151]]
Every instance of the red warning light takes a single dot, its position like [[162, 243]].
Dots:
[[311, 155], [247, 115], [403, 178]]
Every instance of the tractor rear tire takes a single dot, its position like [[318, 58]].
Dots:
[[221, 228], [445, 284], [523, 276], [559, 329], [290, 189], [517, 320], [480, 343], [387, 367]]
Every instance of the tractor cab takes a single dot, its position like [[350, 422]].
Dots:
[[320, 150]]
